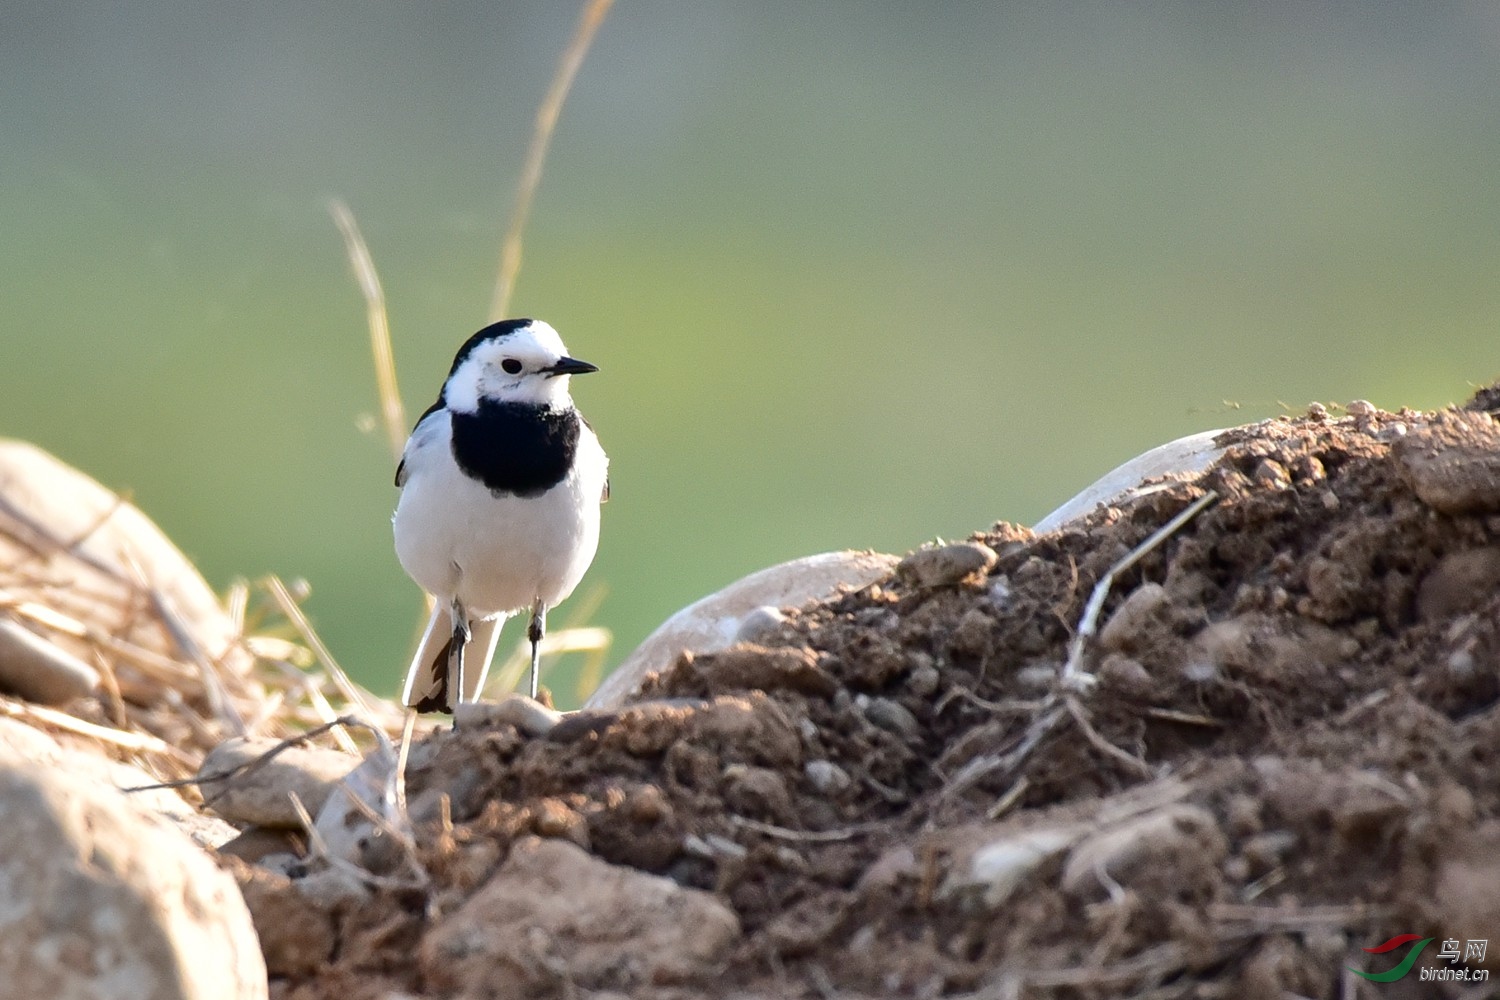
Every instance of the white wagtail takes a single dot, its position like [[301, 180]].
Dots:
[[501, 482]]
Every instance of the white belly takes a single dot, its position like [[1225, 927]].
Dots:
[[497, 554]]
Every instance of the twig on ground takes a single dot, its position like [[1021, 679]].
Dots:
[[811, 836], [1073, 672], [261, 760]]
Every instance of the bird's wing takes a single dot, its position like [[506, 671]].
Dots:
[[420, 436]]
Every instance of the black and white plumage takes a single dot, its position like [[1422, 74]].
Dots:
[[501, 482]]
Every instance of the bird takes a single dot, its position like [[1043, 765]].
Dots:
[[501, 483]]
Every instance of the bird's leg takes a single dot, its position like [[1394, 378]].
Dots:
[[461, 636], [534, 632]]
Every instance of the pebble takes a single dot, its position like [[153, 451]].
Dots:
[[527, 714], [924, 678], [262, 794], [942, 565], [892, 716], [1180, 836], [39, 671], [997, 869], [759, 623], [827, 777], [1453, 463], [1131, 619]]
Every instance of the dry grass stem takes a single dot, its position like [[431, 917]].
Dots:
[[129, 741], [355, 694], [536, 154], [392, 412]]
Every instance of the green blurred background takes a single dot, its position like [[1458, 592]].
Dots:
[[856, 274]]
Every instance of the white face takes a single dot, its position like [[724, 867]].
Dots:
[[514, 367]]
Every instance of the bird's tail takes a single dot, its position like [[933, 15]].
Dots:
[[428, 684]]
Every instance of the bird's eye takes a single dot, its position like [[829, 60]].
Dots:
[[511, 366]]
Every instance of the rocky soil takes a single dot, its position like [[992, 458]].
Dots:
[[1278, 749]]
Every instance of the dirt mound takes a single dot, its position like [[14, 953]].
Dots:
[[1279, 750]]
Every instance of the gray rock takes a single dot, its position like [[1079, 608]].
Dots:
[[262, 794], [947, 564], [101, 899], [554, 916], [714, 622], [527, 714], [39, 671]]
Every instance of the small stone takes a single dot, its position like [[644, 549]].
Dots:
[[1272, 473], [924, 678], [1181, 838], [827, 777], [1361, 408], [756, 791], [261, 791], [1125, 675], [554, 918], [759, 624], [1317, 411], [527, 714], [947, 564], [1133, 618], [892, 716], [39, 671], [1453, 463]]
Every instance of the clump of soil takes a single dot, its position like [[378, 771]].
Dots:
[[1279, 749]]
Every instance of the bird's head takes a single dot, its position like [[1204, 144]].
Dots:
[[512, 361]]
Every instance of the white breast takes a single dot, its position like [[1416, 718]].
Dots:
[[495, 554]]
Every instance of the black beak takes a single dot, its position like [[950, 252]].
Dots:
[[570, 366]]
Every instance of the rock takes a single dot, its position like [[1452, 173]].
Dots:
[[892, 716], [93, 556], [1461, 581], [994, 871], [760, 623], [715, 622], [1130, 623], [1453, 463], [943, 565], [296, 930], [554, 916], [827, 777], [1181, 839], [262, 794], [347, 831], [39, 670], [527, 714], [102, 899], [756, 668], [1178, 460], [85, 762]]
